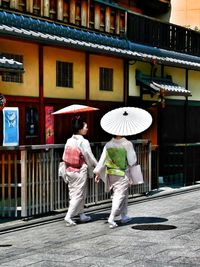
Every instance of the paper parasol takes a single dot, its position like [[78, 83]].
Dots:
[[73, 109], [126, 121]]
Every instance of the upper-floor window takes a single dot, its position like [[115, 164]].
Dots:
[[66, 11], [64, 74], [106, 79], [91, 17], [78, 13], [22, 5], [112, 21], [102, 19], [12, 76]]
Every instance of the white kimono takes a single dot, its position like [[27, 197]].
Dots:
[[119, 184], [77, 180]]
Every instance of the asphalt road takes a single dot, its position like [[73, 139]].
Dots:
[[164, 231]]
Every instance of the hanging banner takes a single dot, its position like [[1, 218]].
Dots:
[[49, 125], [10, 126]]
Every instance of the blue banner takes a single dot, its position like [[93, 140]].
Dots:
[[10, 126]]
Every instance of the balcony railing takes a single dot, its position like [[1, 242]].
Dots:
[[152, 32]]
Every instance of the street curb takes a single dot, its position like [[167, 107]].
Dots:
[[26, 223]]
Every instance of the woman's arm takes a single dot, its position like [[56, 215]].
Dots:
[[131, 155], [88, 154]]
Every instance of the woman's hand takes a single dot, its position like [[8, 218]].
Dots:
[[97, 178]]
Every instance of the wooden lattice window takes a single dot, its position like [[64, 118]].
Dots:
[[13, 76], [106, 79], [64, 74]]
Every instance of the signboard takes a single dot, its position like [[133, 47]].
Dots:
[[10, 126]]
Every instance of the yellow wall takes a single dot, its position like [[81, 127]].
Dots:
[[30, 85], [51, 55], [118, 82], [185, 13]]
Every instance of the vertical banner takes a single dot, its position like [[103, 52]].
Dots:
[[49, 125], [10, 126]]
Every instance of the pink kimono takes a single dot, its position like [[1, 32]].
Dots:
[[77, 177]]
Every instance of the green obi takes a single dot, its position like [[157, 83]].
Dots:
[[116, 162]]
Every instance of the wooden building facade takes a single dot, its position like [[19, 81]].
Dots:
[[105, 54]]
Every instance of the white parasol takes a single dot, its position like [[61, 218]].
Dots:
[[126, 121], [73, 109]]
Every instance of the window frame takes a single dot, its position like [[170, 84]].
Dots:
[[106, 79], [64, 74]]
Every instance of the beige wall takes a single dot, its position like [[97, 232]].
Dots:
[[178, 76], [30, 85], [118, 82], [134, 90], [194, 84], [185, 13], [51, 55]]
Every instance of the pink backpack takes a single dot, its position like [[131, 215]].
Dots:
[[73, 157]]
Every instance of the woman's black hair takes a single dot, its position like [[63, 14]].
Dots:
[[77, 124]]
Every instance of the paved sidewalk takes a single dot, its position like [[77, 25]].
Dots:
[[164, 232]]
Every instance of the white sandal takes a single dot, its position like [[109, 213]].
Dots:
[[70, 222], [112, 224]]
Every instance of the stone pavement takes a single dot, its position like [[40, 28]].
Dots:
[[164, 232]]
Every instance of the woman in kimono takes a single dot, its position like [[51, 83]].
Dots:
[[77, 148], [112, 168]]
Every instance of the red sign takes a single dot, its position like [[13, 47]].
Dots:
[[49, 125]]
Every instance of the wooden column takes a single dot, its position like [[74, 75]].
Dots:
[[126, 81], [41, 96], [29, 6], [107, 19], [87, 76], [41, 8], [60, 9], [125, 23], [46, 8], [97, 17], [72, 11]]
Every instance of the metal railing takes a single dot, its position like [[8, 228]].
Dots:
[[30, 185]]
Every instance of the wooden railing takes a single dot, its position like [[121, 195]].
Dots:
[[154, 33], [30, 185]]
